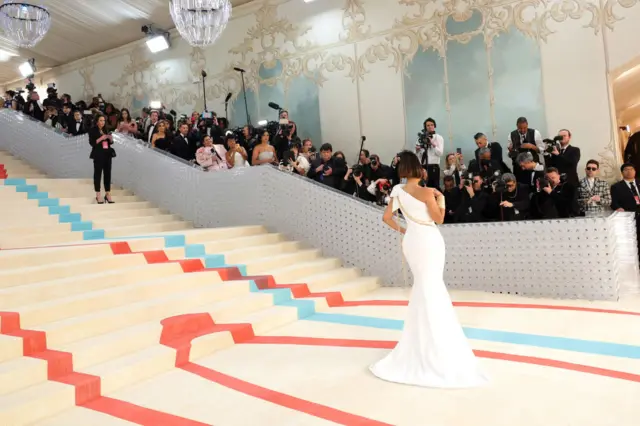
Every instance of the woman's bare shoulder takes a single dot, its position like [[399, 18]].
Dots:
[[423, 193]]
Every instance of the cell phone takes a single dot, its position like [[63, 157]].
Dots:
[[459, 150]]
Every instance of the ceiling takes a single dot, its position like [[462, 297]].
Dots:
[[81, 28]]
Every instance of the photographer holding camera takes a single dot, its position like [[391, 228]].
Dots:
[[473, 202], [354, 183], [429, 149], [531, 171], [556, 198], [564, 157], [524, 139], [326, 168], [285, 135]]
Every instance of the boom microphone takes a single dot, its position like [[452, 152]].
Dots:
[[238, 69], [364, 138], [227, 98], [273, 105]]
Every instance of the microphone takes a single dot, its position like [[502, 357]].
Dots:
[[273, 105], [238, 69], [364, 138], [227, 98]]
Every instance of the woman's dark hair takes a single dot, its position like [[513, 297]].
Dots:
[[409, 166], [96, 118], [128, 120]]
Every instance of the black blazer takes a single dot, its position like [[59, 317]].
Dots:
[[622, 197], [567, 163], [180, 148], [97, 151], [71, 128]]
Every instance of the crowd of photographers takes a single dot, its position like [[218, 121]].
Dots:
[[541, 181]]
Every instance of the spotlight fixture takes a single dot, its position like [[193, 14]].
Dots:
[[262, 123], [157, 39], [155, 104], [28, 68]]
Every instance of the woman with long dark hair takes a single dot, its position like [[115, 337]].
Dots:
[[126, 125], [102, 154], [433, 350]]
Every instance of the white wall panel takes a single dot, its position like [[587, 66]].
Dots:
[[381, 105], [339, 114], [575, 88]]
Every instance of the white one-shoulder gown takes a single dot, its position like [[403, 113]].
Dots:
[[433, 350]]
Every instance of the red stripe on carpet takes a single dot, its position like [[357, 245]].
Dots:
[[387, 344], [87, 387], [179, 331], [497, 305]]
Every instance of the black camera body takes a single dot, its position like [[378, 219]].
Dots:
[[357, 171], [543, 182], [499, 186], [550, 144], [425, 139]]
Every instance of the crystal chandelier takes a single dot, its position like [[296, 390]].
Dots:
[[200, 22], [24, 24]]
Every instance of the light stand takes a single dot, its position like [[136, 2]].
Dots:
[[204, 89], [226, 106], [362, 139], [244, 93]]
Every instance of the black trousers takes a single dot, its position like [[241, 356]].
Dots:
[[433, 176], [102, 166]]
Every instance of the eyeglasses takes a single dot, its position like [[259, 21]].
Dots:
[[592, 169]]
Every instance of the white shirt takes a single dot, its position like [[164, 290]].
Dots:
[[434, 153], [632, 183], [151, 128], [536, 136]]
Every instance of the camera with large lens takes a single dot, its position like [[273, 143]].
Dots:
[[494, 181], [499, 186], [551, 144], [424, 139], [468, 181], [542, 182], [356, 171]]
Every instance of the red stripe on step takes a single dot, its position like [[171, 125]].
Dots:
[[497, 305], [179, 331], [387, 344], [87, 387], [335, 299]]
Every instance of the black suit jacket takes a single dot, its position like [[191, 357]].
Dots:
[[622, 197], [97, 151], [72, 128], [180, 148], [567, 163]]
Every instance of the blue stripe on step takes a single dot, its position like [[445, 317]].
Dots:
[[15, 181], [541, 341], [66, 216]]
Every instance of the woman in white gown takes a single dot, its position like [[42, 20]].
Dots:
[[433, 350]]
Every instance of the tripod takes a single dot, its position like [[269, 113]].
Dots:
[[244, 93]]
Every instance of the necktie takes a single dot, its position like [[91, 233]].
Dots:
[[634, 191]]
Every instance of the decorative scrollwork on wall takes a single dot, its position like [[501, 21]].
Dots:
[[353, 22]]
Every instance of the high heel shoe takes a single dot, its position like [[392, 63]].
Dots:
[[107, 199], [98, 200]]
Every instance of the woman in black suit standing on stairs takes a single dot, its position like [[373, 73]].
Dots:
[[102, 154]]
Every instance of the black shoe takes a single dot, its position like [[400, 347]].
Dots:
[[108, 199], [98, 201]]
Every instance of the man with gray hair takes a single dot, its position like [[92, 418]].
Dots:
[[486, 166], [513, 203], [531, 170]]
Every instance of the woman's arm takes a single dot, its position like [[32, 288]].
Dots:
[[275, 156], [243, 153], [387, 218], [153, 140], [255, 161], [434, 209], [230, 159]]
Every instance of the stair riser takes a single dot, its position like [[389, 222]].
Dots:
[[52, 272]]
